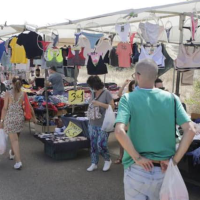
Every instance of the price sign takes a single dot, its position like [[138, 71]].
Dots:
[[72, 130], [76, 97]]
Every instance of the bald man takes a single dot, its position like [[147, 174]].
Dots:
[[150, 141]]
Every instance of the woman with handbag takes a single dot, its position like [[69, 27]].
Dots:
[[96, 113], [12, 118]]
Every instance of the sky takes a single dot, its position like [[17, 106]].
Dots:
[[44, 12]]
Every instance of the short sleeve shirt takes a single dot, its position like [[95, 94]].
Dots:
[[124, 52], [106, 98], [57, 82], [151, 118]]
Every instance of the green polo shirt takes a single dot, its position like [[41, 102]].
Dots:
[[151, 118]]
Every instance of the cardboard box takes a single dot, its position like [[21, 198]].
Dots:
[[43, 129]]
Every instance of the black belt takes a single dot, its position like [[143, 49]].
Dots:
[[156, 164]]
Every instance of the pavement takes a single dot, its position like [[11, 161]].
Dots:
[[43, 178]]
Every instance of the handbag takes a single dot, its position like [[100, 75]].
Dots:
[[27, 108], [94, 111]]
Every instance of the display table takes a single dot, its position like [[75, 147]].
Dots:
[[82, 124], [63, 151], [60, 147]]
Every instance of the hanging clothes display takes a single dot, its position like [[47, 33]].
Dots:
[[37, 62], [55, 39], [5, 60], [114, 57], [123, 31], [151, 32], [112, 36], [24, 67], [103, 47], [7, 42], [76, 58], [194, 27], [106, 58], [31, 43], [168, 31], [54, 58], [18, 52], [136, 53], [99, 69], [77, 35], [124, 53], [93, 38], [132, 36], [2, 48], [169, 62], [187, 78], [69, 72], [188, 57], [84, 42], [45, 45], [65, 52], [156, 55]]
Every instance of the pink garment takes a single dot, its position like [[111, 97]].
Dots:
[[132, 38], [188, 58], [194, 26], [95, 57], [124, 52]]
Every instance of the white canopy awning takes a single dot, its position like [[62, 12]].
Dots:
[[106, 23]]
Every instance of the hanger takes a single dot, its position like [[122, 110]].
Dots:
[[191, 44], [125, 21], [170, 23], [151, 17], [148, 44], [78, 28]]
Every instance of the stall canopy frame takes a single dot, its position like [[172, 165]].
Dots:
[[172, 12]]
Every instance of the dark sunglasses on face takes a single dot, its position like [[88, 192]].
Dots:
[[162, 88], [133, 75]]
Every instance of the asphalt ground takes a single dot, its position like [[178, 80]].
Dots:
[[43, 178]]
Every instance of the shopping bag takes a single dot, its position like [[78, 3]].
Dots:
[[27, 108], [109, 120], [173, 187], [3, 141]]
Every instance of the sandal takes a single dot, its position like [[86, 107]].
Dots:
[[118, 161]]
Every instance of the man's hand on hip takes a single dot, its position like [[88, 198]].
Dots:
[[144, 163], [164, 164]]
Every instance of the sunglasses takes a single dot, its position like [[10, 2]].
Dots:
[[133, 75], [162, 88]]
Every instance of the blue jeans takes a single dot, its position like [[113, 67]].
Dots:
[[142, 185]]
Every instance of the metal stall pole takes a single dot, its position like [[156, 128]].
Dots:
[[182, 19], [174, 77], [46, 97], [75, 83]]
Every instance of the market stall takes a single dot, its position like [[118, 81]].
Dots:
[[120, 40]]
